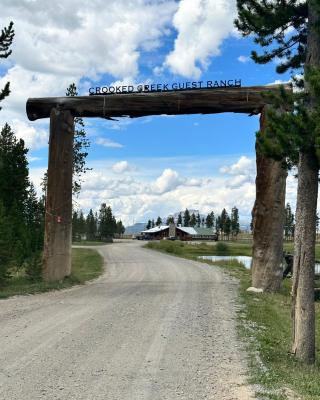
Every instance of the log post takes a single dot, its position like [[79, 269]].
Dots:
[[268, 220], [58, 218]]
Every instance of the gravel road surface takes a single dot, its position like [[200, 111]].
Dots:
[[152, 327]]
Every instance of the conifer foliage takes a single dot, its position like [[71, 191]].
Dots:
[[289, 31], [21, 212], [6, 38]]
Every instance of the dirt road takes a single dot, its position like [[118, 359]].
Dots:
[[152, 327]]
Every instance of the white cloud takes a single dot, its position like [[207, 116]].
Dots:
[[243, 59], [108, 143], [202, 25], [34, 138], [121, 166], [168, 180], [151, 193], [244, 165], [90, 39], [57, 43]]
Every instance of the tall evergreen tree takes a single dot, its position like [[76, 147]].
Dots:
[[91, 226], [223, 219], [159, 221], [179, 222], [289, 222], [210, 220], [198, 220], [193, 220], [235, 226], [219, 227], [149, 224], [6, 233], [227, 226], [120, 228], [14, 173], [80, 146], [298, 50], [107, 223], [186, 218], [170, 220], [14, 186], [75, 226], [6, 39]]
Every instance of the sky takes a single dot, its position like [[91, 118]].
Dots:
[[148, 166]]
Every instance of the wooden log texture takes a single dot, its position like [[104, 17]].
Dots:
[[268, 220], [58, 219], [248, 100]]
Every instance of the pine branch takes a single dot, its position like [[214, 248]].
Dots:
[[6, 38]]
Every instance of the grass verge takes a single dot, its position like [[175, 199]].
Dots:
[[89, 243], [87, 264], [265, 327]]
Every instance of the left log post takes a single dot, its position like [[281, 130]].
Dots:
[[58, 217]]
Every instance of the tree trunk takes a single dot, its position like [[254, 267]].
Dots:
[[268, 221], [58, 219], [303, 309]]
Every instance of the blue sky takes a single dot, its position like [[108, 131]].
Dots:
[[148, 166]]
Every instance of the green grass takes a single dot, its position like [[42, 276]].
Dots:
[[265, 327], [88, 243], [87, 264]]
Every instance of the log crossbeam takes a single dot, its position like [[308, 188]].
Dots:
[[247, 100]]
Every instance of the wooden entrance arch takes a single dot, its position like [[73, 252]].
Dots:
[[270, 181]]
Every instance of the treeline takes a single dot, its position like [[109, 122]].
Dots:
[[223, 224], [21, 211], [101, 226]]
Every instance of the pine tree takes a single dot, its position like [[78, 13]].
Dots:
[[219, 226], [289, 222], [294, 135], [186, 218], [14, 173], [149, 224], [75, 226], [198, 220], [81, 224], [120, 228], [6, 39], [14, 186], [235, 226], [5, 246], [35, 212], [80, 146], [91, 226], [223, 219], [179, 222], [227, 226], [170, 220], [152, 224], [193, 220], [159, 221], [107, 222], [210, 220]]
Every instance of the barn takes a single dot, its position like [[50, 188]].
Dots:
[[179, 232]]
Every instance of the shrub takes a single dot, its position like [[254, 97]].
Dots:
[[33, 268], [222, 248]]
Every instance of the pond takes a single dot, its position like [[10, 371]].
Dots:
[[245, 260]]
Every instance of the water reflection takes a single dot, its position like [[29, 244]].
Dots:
[[245, 260]]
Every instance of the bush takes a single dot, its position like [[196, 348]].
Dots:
[[222, 248], [33, 268]]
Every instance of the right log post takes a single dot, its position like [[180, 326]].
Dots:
[[268, 220]]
